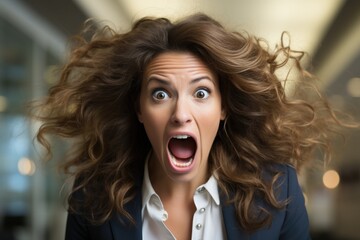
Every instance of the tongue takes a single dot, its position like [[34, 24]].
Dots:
[[182, 148]]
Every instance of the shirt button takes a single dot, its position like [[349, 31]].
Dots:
[[201, 189], [202, 210], [165, 216], [198, 226]]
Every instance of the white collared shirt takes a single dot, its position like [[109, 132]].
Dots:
[[207, 220]]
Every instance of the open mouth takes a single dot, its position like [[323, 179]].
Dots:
[[182, 149]]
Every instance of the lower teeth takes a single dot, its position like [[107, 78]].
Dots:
[[181, 164]]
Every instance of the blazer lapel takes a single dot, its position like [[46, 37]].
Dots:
[[232, 228]]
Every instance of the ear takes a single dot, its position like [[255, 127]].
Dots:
[[223, 114], [138, 112], [139, 116]]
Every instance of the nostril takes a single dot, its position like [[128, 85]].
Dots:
[[181, 117]]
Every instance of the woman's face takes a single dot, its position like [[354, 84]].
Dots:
[[180, 107]]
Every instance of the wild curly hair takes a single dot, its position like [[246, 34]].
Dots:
[[95, 102]]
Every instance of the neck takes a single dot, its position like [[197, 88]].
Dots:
[[171, 189]]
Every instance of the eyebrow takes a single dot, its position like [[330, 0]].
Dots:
[[202, 78]]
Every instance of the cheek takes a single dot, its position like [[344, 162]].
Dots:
[[154, 126], [209, 125], [147, 116], [210, 128]]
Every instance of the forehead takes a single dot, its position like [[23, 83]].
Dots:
[[177, 62]]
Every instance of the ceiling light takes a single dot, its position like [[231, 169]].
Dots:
[[353, 87], [3, 103]]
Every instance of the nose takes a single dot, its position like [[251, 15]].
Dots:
[[181, 112]]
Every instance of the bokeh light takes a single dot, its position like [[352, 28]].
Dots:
[[26, 166], [331, 179]]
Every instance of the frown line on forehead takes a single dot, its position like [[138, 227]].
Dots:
[[176, 60], [167, 82]]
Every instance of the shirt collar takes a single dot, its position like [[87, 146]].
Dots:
[[212, 188], [147, 188]]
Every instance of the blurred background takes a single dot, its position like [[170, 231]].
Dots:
[[34, 37]]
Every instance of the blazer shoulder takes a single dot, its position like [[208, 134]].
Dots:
[[116, 227], [79, 228], [288, 183], [295, 222]]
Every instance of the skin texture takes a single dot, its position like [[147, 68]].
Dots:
[[179, 95]]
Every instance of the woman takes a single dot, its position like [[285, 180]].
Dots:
[[184, 131]]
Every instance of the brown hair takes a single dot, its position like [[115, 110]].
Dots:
[[95, 102]]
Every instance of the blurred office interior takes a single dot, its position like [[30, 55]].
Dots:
[[34, 38]]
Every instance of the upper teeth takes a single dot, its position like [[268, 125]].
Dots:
[[181, 136]]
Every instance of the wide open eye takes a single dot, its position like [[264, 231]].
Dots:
[[160, 95], [202, 93]]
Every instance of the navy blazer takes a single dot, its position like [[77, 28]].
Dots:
[[288, 223]]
